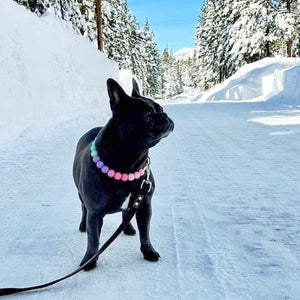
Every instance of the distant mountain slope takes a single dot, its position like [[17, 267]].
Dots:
[[184, 53]]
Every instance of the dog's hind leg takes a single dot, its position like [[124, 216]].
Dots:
[[129, 229], [82, 226]]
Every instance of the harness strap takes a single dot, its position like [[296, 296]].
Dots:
[[144, 189]]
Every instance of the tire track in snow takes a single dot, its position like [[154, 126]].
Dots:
[[225, 269], [223, 163], [194, 263], [210, 262]]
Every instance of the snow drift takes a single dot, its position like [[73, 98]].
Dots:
[[271, 79], [47, 73]]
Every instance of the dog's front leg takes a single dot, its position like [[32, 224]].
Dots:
[[143, 217], [94, 224]]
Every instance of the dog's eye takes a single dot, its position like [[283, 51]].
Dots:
[[148, 114]]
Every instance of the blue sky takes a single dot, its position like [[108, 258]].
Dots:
[[172, 21]]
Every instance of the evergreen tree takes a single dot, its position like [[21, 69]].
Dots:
[[232, 33], [288, 26], [171, 79], [187, 71], [208, 35], [152, 62]]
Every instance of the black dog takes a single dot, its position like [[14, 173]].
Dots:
[[110, 163]]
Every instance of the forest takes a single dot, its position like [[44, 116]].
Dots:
[[229, 34]]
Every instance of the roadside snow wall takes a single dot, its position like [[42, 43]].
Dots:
[[47, 73], [271, 79]]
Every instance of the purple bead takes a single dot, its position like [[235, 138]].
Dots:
[[100, 164], [96, 159], [104, 169]]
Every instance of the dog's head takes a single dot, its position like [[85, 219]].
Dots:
[[139, 120]]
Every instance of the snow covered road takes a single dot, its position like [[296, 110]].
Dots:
[[226, 215]]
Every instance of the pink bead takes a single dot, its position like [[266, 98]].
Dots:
[[125, 177], [137, 175], [111, 173], [130, 177], [118, 176], [142, 172]]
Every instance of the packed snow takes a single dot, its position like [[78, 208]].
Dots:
[[226, 213], [270, 79], [47, 72]]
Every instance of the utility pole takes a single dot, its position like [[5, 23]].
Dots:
[[99, 25]]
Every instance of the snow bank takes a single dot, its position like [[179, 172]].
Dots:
[[47, 73], [189, 95], [270, 79], [125, 80]]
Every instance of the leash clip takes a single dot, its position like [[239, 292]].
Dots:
[[147, 180]]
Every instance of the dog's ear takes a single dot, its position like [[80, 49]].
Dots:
[[135, 89], [116, 94]]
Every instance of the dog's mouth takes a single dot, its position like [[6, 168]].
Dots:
[[162, 128]]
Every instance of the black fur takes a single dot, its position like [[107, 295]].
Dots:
[[137, 124]]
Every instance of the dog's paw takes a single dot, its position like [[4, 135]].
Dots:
[[129, 230], [82, 227], [150, 254], [90, 266]]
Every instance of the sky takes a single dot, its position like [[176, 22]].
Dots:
[[172, 21]]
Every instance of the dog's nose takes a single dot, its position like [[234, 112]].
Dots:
[[163, 115]]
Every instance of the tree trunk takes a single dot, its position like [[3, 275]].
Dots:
[[61, 9], [267, 51], [289, 42], [289, 48], [99, 25], [288, 5]]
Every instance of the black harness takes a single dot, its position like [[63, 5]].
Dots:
[[134, 204]]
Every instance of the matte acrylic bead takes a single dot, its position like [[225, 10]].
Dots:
[[137, 175], [124, 177], [118, 176], [94, 153], [100, 164], [96, 159], [142, 172], [130, 177], [111, 173], [104, 169]]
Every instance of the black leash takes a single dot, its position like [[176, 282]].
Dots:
[[144, 189]]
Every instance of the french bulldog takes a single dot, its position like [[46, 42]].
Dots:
[[110, 162]]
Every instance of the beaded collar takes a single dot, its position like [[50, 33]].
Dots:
[[112, 173]]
